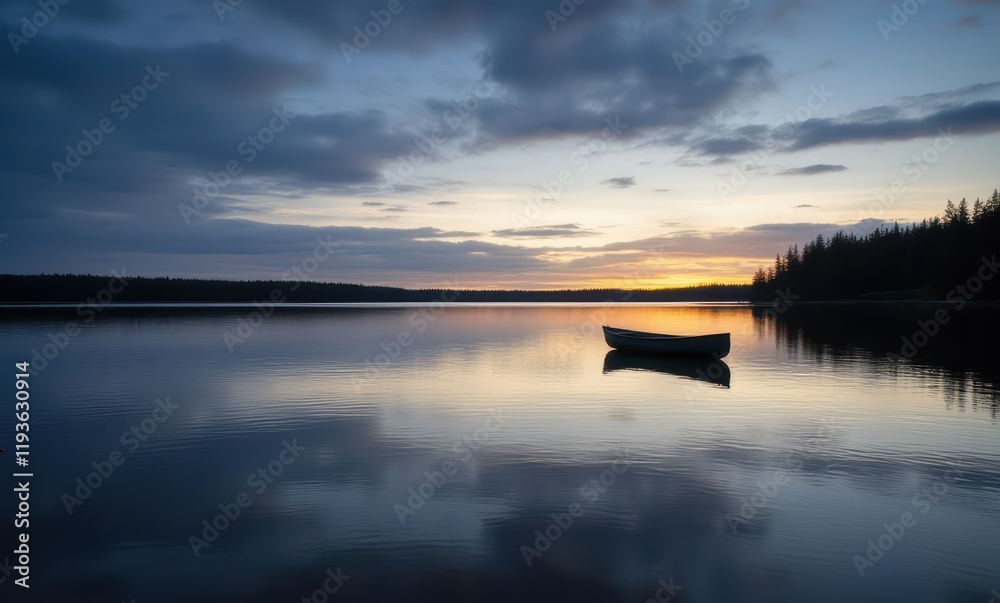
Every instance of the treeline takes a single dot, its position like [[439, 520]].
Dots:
[[918, 261], [76, 289]]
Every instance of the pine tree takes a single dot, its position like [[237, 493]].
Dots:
[[962, 215], [993, 205], [950, 213]]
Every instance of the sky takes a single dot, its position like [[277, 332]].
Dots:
[[523, 144]]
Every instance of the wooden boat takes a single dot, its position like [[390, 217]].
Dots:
[[715, 345], [710, 370]]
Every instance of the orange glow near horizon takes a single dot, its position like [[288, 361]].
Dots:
[[662, 273]]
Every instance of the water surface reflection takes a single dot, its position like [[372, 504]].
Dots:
[[857, 436]]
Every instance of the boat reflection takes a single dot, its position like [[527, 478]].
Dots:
[[701, 369]]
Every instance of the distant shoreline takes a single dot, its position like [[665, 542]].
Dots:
[[317, 306], [96, 293], [119, 289]]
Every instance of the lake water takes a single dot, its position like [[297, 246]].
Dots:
[[498, 453]]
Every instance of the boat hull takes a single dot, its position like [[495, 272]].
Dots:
[[713, 346]]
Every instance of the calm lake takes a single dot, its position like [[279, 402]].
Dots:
[[501, 453]]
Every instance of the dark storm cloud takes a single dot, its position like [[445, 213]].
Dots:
[[620, 182], [810, 170]]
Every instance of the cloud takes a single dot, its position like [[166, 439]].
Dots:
[[568, 82], [970, 21], [805, 205], [612, 62], [565, 80], [780, 11], [620, 182], [726, 146], [556, 230], [93, 11], [661, 190], [960, 111], [980, 117], [946, 98], [758, 241], [811, 170]]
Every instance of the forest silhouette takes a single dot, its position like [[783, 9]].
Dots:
[[927, 260]]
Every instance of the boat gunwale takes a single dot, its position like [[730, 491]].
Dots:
[[655, 336]]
